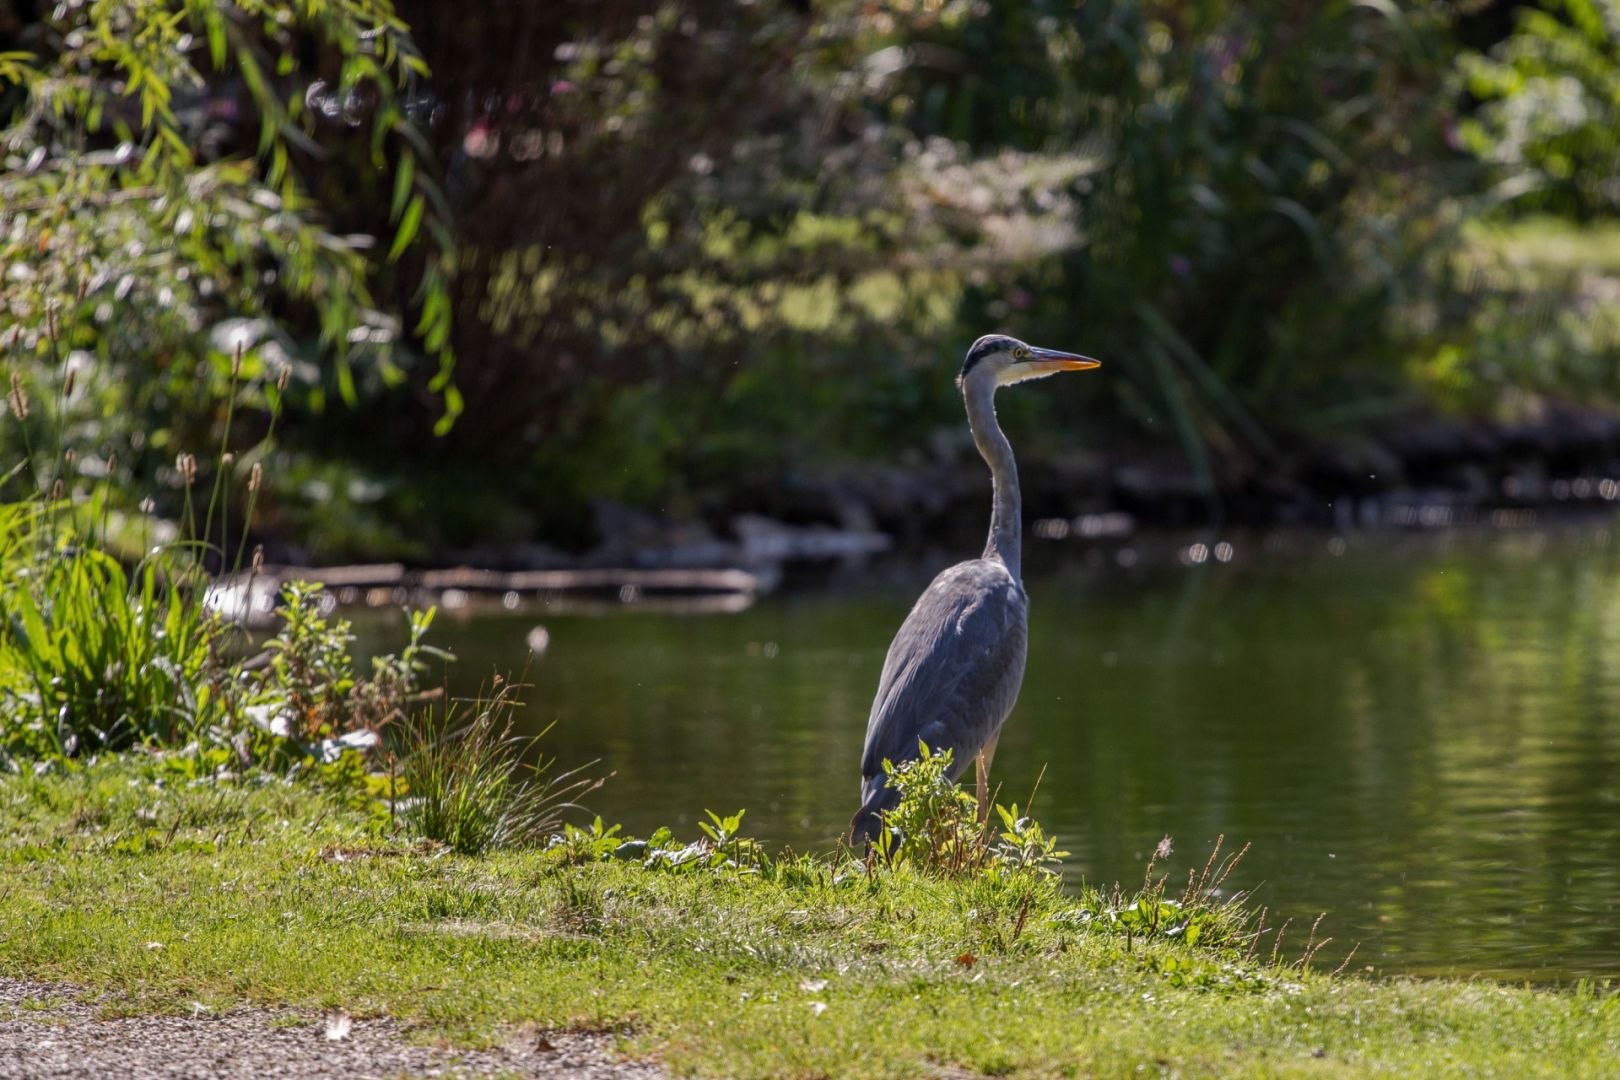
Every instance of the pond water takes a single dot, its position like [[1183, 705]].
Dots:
[[1418, 734]]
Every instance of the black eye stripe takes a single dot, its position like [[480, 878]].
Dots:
[[988, 346]]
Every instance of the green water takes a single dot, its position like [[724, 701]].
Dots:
[[1419, 735]]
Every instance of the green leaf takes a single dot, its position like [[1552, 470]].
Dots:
[[216, 37], [402, 184], [407, 229], [453, 405], [346, 384]]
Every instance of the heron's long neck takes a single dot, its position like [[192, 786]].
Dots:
[[1005, 541]]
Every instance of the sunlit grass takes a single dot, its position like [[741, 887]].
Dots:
[[278, 893]]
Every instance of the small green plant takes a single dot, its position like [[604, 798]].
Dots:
[[478, 785], [93, 656], [597, 841], [723, 832], [308, 688], [310, 670], [722, 847], [935, 825], [300, 700], [1022, 843], [1202, 914]]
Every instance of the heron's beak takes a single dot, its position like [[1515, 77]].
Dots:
[[1050, 361], [1044, 362]]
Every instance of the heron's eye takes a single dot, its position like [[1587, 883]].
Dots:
[[1020, 353]]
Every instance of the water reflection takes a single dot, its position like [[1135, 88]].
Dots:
[[1419, 734]]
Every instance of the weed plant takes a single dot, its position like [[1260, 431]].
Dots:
[[473, 784], [100, 652], [934, 827], [93, 656]]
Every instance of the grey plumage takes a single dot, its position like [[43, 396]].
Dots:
[[953, 671]]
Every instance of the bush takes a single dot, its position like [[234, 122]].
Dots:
[[1549, 115], [167, 209]]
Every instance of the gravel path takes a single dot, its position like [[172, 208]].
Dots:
[[46, 1033]]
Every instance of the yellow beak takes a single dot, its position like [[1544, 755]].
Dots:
[[1051, 360]]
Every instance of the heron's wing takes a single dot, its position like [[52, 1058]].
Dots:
[[953, 670]]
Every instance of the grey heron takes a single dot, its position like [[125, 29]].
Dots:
[[953, 670]]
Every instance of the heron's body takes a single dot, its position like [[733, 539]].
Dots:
[[954, 668], [952, 674]]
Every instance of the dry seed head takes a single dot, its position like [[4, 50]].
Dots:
[[258, 559], [227, 458], [69, 455], [67, 383], [112, 462], [186, 466], [84, 288], [50, 320], [236, 364], [281, 379], [255, 476], [19, 397], [56, 490], [147, 505]]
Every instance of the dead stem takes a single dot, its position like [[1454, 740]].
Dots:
[[1276, 944]]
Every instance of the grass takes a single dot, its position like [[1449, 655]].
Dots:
[[282, 894], [475, 785]]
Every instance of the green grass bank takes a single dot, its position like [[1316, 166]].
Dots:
[[719, 962]]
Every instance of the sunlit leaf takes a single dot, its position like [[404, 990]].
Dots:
[[408, 226]]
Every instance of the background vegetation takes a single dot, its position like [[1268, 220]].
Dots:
[[671, 253]]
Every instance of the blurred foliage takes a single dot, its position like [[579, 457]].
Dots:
[[1550, 119], [1537, 317], [1535, 311], [685, 248], [1228, 200], [1263, 200], [157, 164]]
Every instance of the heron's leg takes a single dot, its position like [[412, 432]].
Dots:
[[981, 772]]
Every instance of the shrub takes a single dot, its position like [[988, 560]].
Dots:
[[1550, 108]]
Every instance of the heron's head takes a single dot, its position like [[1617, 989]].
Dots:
[[1005, 360]]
